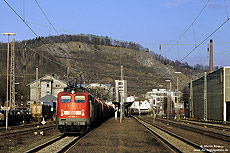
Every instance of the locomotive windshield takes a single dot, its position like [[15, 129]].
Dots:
[[79, 99], [65, 99]]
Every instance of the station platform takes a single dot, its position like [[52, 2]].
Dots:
[[115, 137]]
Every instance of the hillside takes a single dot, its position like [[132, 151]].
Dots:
[[97, 63]]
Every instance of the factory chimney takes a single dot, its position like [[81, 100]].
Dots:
[[211, 57]]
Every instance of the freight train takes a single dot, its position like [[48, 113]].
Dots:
[[23, 115], [15, 117], [46, 110], [78, 110]]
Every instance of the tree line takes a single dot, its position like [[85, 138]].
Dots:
[[89, 39], [179, 66]]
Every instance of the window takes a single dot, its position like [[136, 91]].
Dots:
[[48, 85], [65, 99], [58, 86], [79, 99]]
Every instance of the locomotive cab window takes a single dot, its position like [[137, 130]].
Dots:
[[79, 99], [65, 99]]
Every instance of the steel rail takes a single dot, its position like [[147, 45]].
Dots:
[[36, 149], [27, 131], [222, 126], [172, 134], [221, 136]]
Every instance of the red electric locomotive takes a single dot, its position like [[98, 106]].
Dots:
[[78, 111]]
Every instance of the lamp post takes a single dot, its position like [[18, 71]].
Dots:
[[7, 77], [177, 89], [168, 101]]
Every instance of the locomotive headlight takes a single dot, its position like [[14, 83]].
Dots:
[[83, 114], [72, 92]]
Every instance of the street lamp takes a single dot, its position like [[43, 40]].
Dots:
[[177, 81], [7, 77]]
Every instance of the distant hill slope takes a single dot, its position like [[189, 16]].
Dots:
[[97, 63]]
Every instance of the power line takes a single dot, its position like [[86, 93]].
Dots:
[[205, 39], [157, 44], [218, 53], [188, 27], [46, 17], [199, 45], [50, 27], [25, 23], [36, 36], [20, 18], [226, 10]]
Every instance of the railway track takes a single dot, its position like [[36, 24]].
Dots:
[[223, 127], [26, 131], [173, 141], [24, 126], [59, 144], [207, 132]]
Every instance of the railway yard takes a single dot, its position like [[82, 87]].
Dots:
[[70, 92], [134, 134]]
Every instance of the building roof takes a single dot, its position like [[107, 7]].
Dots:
[[48, 98], [45, 77]]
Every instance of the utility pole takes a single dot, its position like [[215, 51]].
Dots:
[[37, 94], [177, 88], [67, 75], [168, 104], [160, 52], [205, 96], [168, 99], [211, 57], [121, 88], [191, 100], [12, 76], [122, 96], [117, 97], [7, 77]]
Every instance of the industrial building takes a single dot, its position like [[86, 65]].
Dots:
[[47, 85], [210, 96], [160, 98]]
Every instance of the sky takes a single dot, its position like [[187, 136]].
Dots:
[[147, 22]]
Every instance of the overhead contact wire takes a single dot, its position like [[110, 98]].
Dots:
[[46, 17], [188, 27]]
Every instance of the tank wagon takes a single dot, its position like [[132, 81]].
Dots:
[[78, 110], [15, 117]]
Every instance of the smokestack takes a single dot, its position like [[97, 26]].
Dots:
[[211, 57]]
